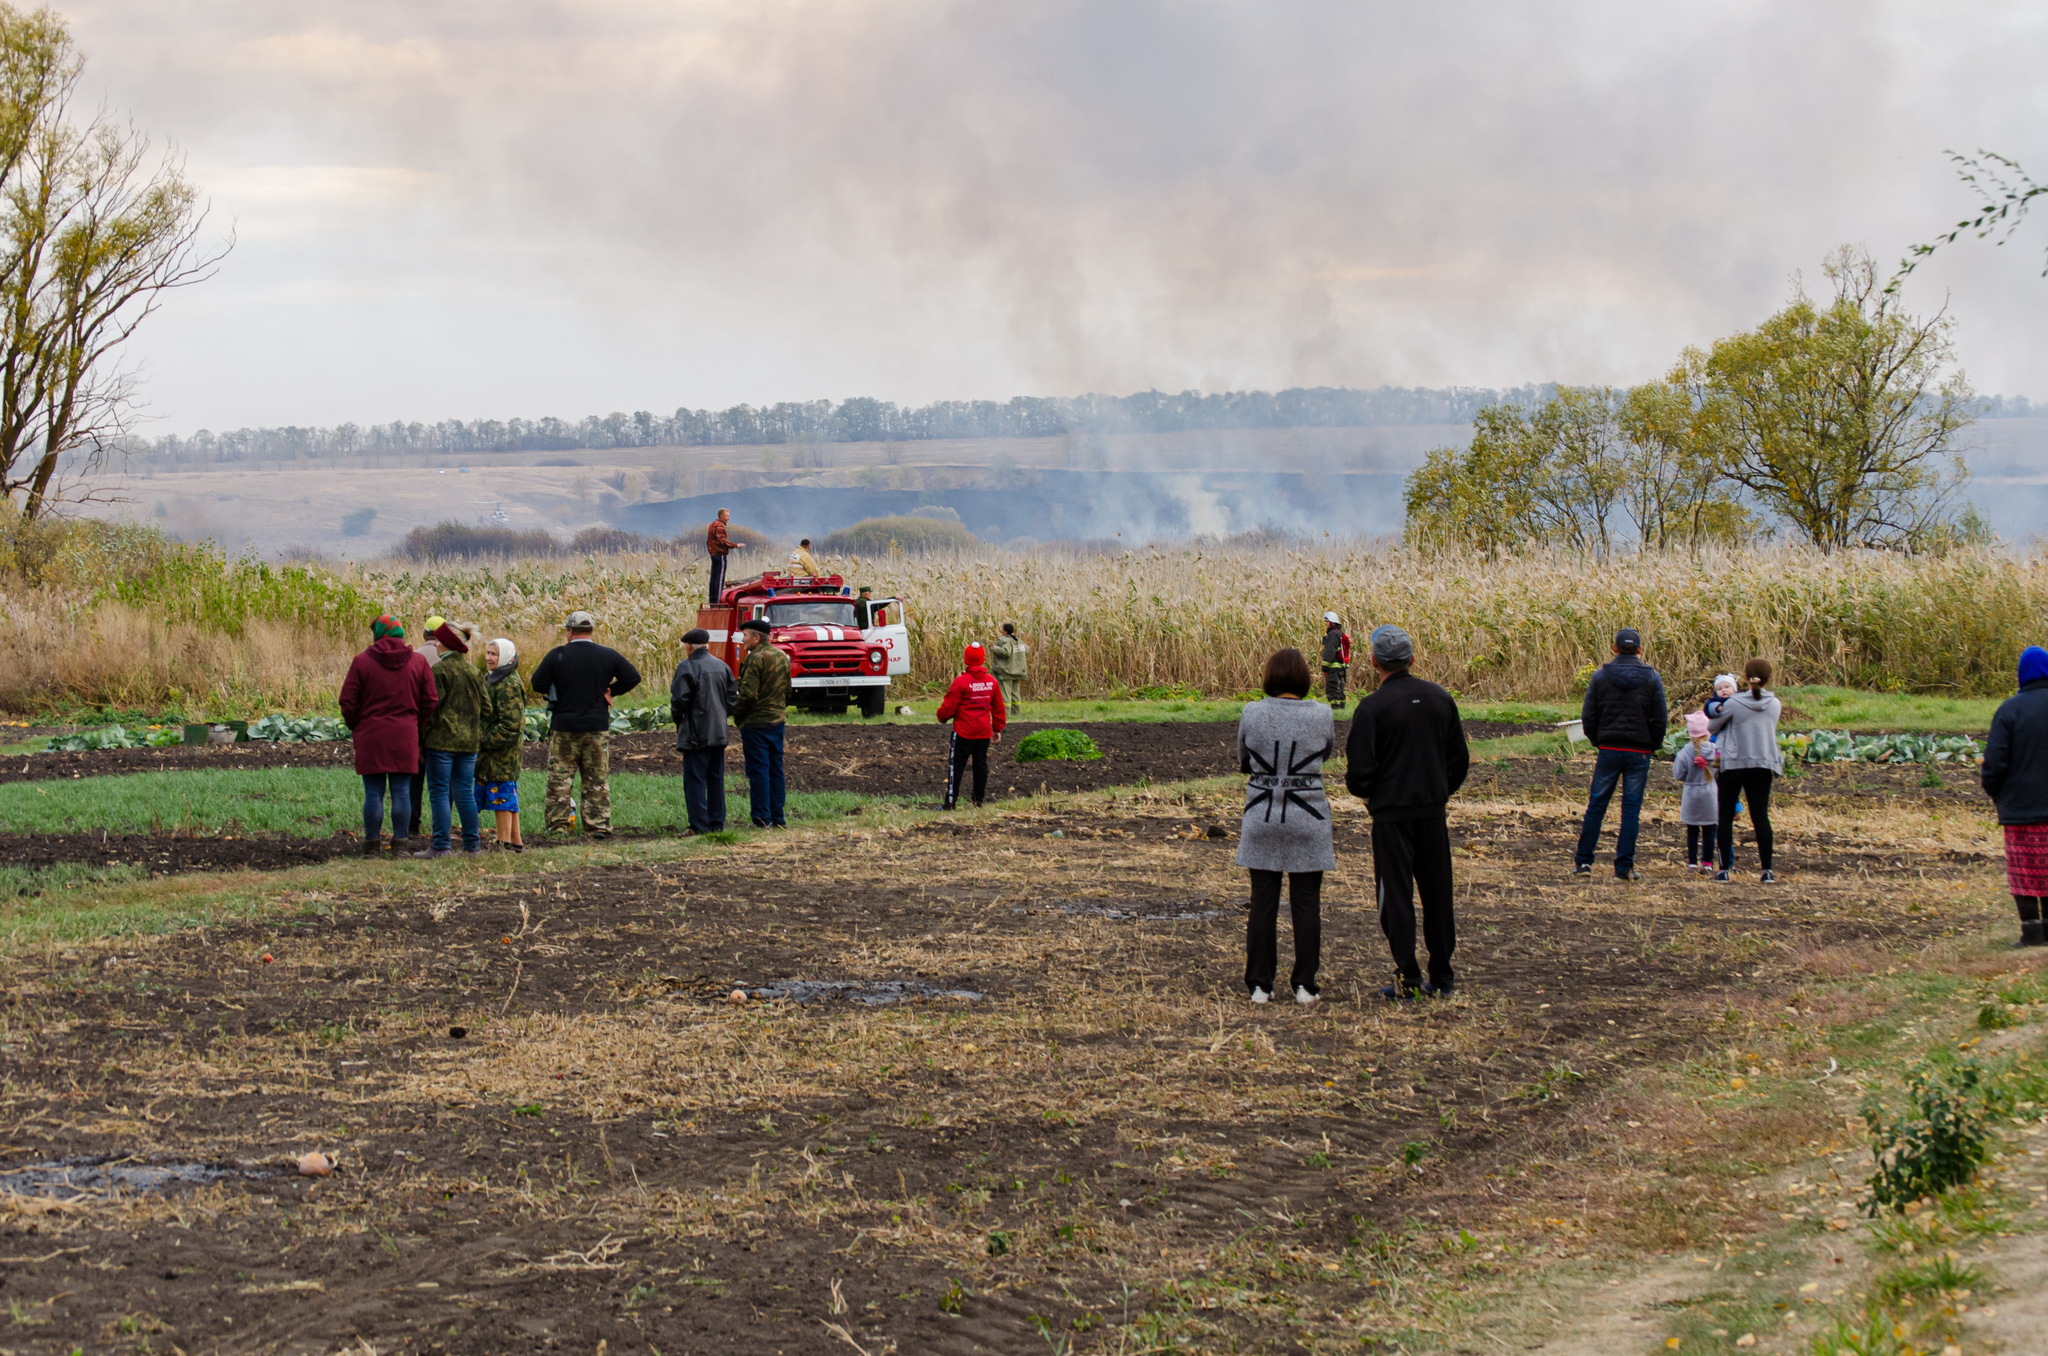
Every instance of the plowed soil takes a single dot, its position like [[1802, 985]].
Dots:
[[555, 1133]]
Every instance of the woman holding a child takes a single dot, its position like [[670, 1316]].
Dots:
[[1749, 761]]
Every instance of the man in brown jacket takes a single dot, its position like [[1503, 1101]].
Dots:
[[718, 545]]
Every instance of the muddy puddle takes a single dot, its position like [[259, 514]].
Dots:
[[874, 992], [70, 1178]]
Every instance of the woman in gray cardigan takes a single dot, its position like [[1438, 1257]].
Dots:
[[1748, 726], [1281, 744]]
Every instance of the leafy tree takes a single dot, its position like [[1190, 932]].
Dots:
[[91, 237], [1478, 497], [1840, 419], [1672, 486]]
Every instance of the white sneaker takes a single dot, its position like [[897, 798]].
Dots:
[[1304, 997], [1261, 996]]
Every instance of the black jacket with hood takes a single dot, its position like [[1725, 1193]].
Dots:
[[1624, 707], [2015, 768]]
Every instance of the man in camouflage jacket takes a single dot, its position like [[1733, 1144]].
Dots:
[[759, 710]]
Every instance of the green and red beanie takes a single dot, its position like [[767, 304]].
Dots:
[[386, 625]]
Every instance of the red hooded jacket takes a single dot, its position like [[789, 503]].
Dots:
[[386, 700], [975, 705]]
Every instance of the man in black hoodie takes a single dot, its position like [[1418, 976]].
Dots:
[[1624, 716], [1405, 758], [579, 680]]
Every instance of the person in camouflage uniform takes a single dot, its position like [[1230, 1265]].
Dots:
[[451, 740], [579, 680], [504, 739], [760, 709], [1007, 659]]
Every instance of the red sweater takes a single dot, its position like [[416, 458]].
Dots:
[[975, 705]]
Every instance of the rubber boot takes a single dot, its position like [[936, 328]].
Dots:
[[373, 845], [400, 848], [2031, 927]]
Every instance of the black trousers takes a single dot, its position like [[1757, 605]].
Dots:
[[419, 803], [1411, 856], [1753, 785], [717, 578], [1699, 844], [1333, 685], [1261, 934], [960, 753]]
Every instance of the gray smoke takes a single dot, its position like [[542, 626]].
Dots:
[[550, 206]]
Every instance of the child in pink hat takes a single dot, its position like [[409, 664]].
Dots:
[[1699, 804]]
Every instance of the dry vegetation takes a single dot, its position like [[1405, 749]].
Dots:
[[1107, 1151], [89, 626]]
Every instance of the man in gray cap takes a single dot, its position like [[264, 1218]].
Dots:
[[699, 697], [1406, 757], [1624, 716], [579, 680]]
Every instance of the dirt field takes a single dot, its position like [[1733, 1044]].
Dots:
[[1034, 1113]]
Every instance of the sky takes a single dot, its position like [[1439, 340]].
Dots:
[[496, 208]]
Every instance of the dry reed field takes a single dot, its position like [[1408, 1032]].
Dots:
[[223, 640], [554, 1132]]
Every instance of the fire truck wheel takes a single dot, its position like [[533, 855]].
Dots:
[[873, 701]]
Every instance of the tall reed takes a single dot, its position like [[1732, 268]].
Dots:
[[230, 639]]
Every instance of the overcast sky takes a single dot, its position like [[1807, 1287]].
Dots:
[[464, 208]]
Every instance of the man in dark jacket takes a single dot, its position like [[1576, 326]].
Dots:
[[1624, 717], [759, 707], [1405, 759], [2015, 776], [700, 696], [579, 680]]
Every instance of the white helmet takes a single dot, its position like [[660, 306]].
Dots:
[[1333, 618]]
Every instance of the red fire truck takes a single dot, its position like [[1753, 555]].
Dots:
[[840, 651]]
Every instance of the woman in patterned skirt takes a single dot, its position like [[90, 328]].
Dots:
[[2016, 777]]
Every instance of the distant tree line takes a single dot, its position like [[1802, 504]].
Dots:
[[858, 420]]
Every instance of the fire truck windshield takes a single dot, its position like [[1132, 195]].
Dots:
[[822, 612]]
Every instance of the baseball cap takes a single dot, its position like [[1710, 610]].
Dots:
[[580, 621], [1628, 640], [1391, 645], [1333, 617]]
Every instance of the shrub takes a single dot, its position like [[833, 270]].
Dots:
[[599, 541], [356, 523], [1937, 1145], [910, 534], [459, 541], [1062, 745]]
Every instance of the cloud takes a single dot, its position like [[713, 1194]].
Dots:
[[621, 202]]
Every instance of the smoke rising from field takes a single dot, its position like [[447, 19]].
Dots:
[[536, 206]]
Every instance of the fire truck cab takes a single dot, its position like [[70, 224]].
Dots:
[[837, 655]]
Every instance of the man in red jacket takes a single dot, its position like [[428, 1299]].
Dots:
[[975, 706]]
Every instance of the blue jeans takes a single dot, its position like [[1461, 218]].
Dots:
[[1632, 770], [704, 788], [763, 745], [373, 803], [453, 773]]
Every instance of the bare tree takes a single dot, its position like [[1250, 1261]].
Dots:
[[94, 230]]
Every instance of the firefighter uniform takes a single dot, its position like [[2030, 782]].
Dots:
[[974, 703], [1336, 659]]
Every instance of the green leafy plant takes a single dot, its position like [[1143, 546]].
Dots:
[[1937, 1145], [298, 729], [1063, 745]]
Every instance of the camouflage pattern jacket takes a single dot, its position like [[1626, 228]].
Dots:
[[457, 726], [764, 688], [504, 729]]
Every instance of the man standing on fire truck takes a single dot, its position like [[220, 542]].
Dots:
[[718, 544], [974, 703], [1336, 659]]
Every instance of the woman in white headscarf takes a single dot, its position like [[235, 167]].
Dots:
[[504, 738]]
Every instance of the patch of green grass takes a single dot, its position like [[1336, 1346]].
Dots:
[[315, 802], [1841, 708], [20, 882]]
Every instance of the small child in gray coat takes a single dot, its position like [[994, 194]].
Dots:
[[1699, 804]]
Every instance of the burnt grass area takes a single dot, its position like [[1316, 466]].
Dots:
[[554, 1131]]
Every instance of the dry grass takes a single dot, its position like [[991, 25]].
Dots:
[[1194, 616]]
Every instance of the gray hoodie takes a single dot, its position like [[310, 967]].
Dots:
[[1748, 726]]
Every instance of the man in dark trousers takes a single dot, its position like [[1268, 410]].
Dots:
[[1406, 757], [760, 707], [1624, 716], [579, 680], [718, 544], [974, 703], [700, 696], [1336, 659]]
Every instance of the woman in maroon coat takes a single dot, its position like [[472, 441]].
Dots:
[[386, 700]]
